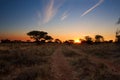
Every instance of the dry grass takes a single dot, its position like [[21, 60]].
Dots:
[[33, 62], [69, 53], [25, 61], [110, 50], [85, 68]]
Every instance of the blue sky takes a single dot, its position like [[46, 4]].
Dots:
[[64, 19]]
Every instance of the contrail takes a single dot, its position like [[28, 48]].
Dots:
[[51, 10], [64, 16], [89, 10]]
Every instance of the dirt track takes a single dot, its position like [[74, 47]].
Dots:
[[61, 70], [60, 67]]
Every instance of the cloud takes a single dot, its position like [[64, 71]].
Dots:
[[50, 10], [93, 7], [118, 22], [39, 18], [64, 16]]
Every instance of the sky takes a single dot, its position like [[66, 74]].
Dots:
[[63, 19]]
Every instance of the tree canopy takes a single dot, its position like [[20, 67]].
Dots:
[[58, 41], [99, 38], [39, 35], [88, 39]]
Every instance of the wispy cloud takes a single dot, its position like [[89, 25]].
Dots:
[[39, 15], [93, 7], [64, 15], [50, 11]]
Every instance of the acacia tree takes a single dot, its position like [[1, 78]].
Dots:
[[48, 38], [88, 39], [58, 41], [99, 38], [69, 42], [37, 35]]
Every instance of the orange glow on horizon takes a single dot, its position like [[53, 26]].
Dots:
[[77, 41], [16, 37], [64, 37]]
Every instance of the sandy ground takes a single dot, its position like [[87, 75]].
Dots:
[[60, 67]]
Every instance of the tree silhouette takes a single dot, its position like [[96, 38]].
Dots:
[[58, 41], [69, 42], [5, 41], [48, 38], [37, 35], [88, 39], [82, 41], [99, 39], [118, 33], [118, 36]]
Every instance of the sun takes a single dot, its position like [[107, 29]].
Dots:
[[77, 41]]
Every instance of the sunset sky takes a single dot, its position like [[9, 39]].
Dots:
[[63, 19]]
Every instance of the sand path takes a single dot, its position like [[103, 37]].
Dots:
[[61, 70]]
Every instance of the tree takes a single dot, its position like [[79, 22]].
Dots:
[[37, 35], [5, 41], [88, 39], [69, 42], [82, 41], [118, 36], [58, 41], [48, 38], [99, 39]]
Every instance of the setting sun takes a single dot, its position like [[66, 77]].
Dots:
[[77, 41]]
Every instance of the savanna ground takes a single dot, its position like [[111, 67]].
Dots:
[[28, 61]]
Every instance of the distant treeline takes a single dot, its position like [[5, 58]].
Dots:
[[43, 37]]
